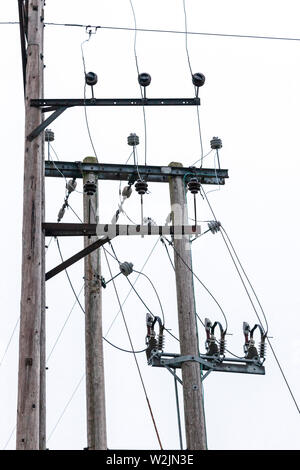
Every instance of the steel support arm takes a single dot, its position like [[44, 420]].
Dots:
[[78, 256], [114, 171]]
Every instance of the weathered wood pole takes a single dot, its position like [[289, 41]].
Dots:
[[33, 284], [95, 387], [191, 374]]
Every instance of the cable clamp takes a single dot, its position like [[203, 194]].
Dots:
[[91, 29]]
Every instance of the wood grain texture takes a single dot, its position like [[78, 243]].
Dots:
[[28, 411], [191, 374], [95, 385]]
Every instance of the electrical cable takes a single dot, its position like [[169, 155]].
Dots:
[[156, 293], [83, 311], [223, 233], [125, 350], [200, 33], [9, 341], [67, 274], [134, 355], [10, 437], [84, 94], [135, 281], [138, 72], [138, 295], [197, 315], [191, 71], [75, 213], [199, 280], [65, 408], [65, 323], [170, 31], [204, 156]]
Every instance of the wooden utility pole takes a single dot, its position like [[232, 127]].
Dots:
[[31, 368], [191, 374], [95, 390]]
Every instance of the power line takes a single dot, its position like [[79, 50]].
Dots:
[[240, 264], [66, 407], [199, 280], [129, 292], [141, 299], [191, 71], [170, 31], [124, 350], [9, 438], [10, 340], [134, 355], [138, 72], [65, 323], [84, 94]]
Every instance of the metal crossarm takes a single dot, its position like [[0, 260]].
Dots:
[[60, 105], [112, 230], [151, 173], [209, 363]]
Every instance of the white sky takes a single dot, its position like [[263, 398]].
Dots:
[[251, 100]]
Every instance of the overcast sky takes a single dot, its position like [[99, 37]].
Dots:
[[251, 100]]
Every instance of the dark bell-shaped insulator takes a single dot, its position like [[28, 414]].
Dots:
[[251, 353], [91, 78], [212, 348], [198, 79], [49, 135], [144, 79], [194, 186], [141, 187], [133, 139], [216, 143], [90, 188]]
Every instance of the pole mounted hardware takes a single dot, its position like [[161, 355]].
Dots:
[[250, 349], [117, 172], [214, 359], [144, 81], [214, 348], [126, 268], [60, 105], [154, 341], [91, 79], [208, 363], [198, 80], [107, 232]]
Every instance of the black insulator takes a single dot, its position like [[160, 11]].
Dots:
[[212, 348], [160, 342], [152, 343], [251, 353], [222, 346], [90, 187], [144, 79], [49, 135], [194, 185], [216, 143], [198, 79], [91, 78], [262, 350], [133, 139], [141, 187]]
